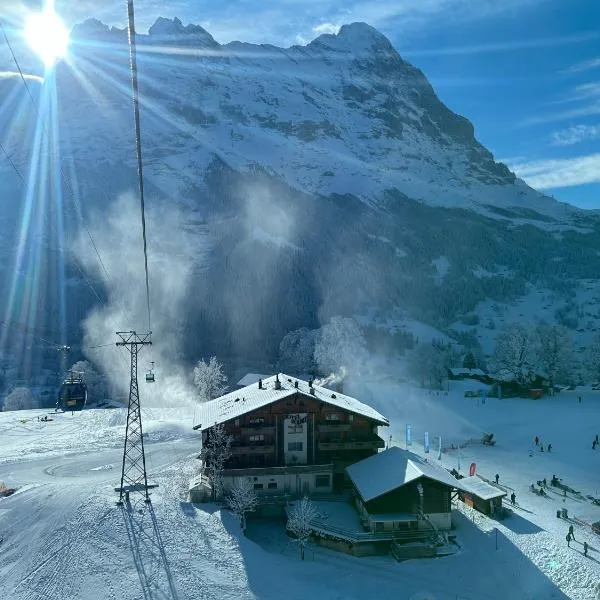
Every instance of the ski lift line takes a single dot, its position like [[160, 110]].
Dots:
[[64, 178], [12, 164], [138, 140]]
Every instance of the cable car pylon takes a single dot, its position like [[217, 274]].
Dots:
[[133, 472]]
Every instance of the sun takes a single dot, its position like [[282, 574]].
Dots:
[[47, 36]]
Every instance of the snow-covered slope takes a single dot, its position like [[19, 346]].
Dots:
[[61, 535]]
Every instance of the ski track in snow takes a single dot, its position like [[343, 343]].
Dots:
[[64, 537]]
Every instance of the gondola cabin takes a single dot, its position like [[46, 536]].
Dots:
[[73, 393], [150, 375]]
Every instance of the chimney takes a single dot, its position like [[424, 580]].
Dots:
[[310, 382], [277, 382], [296, 384], [312, 390], [260, 387]]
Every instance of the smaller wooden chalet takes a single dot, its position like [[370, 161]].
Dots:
[[397, 490], [462, 373], [481, 495], [291, 437]]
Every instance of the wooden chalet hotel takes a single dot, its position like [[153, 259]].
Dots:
[[290, 436]]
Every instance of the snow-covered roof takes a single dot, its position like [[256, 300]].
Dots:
[[251, 397], [480, 488], [463, 371], [391, 469], [250, 378]]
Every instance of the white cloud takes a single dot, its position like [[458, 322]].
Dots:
[[326, 28], [586, 65], [560, 172], [575, 135], [12, 74], [564, 115], [507, 46]]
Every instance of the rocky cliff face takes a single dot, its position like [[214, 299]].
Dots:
[[329, 179]]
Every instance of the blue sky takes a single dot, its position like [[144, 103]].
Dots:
[[525, 72]]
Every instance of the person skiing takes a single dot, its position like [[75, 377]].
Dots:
[[497, 478], [597, 438], [594, 445], [579, 399], [513, 498], [542, 448], [568, 538], [549, 447], [571, 533], [537, 440], [585, 548]]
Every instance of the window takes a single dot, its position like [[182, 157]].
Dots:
[[321, 481], [272, 485], [350, 418], [258, 486], [295, 446], [295, 428], [257, 421], [237, 422], [259, 437], [332, 417]]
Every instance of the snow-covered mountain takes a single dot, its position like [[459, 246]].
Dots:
[[325, 179]]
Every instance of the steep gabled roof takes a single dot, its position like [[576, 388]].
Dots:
[[391, 469], [251, 397]]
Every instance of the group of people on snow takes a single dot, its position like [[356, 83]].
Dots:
[[539, 444]]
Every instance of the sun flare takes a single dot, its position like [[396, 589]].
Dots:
[[47, 36]]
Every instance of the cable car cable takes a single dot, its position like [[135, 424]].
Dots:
[[138, 140]]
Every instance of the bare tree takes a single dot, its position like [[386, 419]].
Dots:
[[243, 499], [299, 522], [20, 398], [554, 351], [340, 343], [513, 353], [215, 453], [209, 379]]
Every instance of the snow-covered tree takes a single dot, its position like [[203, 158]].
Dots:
[[210, 379], [430, 363], [20, 398], [514, 353], [593, 360], [243, 499], [96, 383], [297, 350], [299, 520], [215, 453], [553, 352], [340, 343]]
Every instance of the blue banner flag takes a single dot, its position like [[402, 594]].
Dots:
[[426, 444]]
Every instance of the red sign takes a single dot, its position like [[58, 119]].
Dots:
[[472, 469]]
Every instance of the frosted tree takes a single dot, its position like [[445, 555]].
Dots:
[[95, 382], [209, 379], [514, 353], [430, 363], [593, 360], [299, 522], [296, 351], [215, 453], [340, 343], [20, 398], [243, 499], [553, 352]]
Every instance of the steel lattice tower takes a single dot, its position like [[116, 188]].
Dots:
[[133, 473]]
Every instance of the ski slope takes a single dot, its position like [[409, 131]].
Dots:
[[64, 537]]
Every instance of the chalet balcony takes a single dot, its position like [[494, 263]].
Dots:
[[258, 429], [357, 444], [246, 449], [334, 427]]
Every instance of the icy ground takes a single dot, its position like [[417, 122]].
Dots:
[[64, 538]]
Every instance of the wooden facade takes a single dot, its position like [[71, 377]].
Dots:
[[299, 430]]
